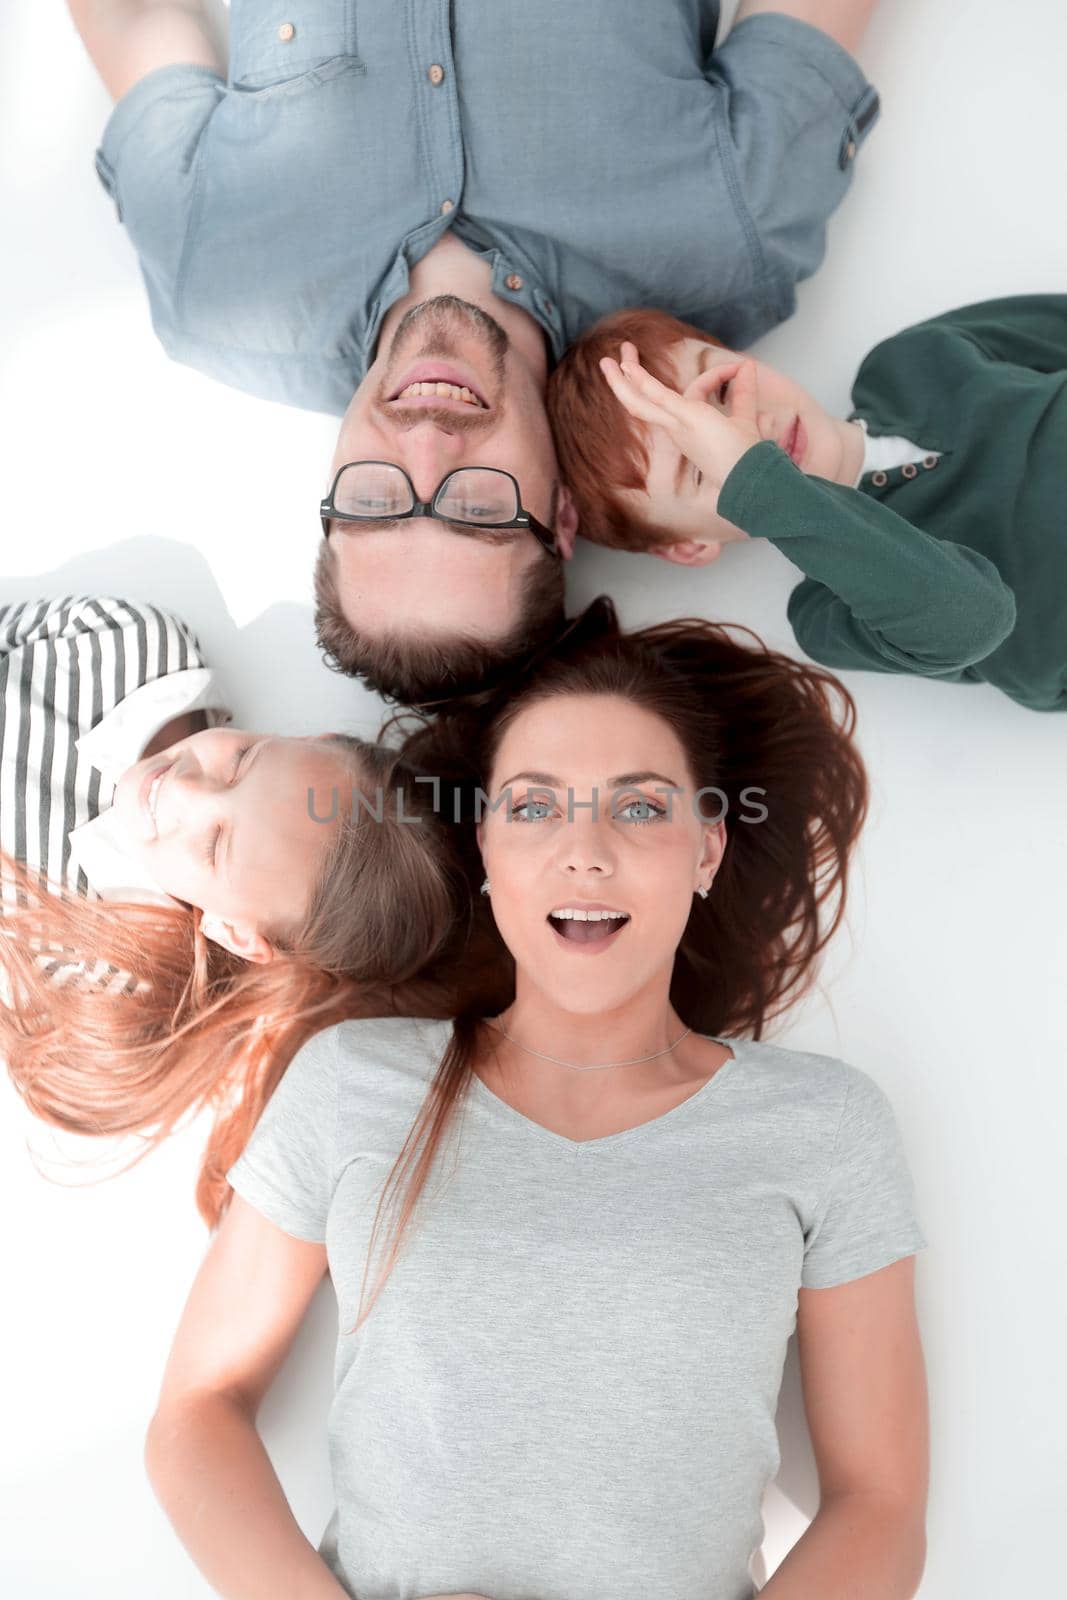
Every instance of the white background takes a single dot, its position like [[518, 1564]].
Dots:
[[948, 987]]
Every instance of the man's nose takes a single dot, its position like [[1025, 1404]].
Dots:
[[430, 452]]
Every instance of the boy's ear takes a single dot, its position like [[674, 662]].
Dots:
[[687, 552], [566, 523]]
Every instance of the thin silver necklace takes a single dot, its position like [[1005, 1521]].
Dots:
[[578, 1067]]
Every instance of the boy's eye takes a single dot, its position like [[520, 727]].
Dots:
[[698, 477]]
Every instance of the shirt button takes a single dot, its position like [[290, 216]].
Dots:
[[879, 479], [286, 32], [447, 206], [910, 470], [513, 281], [929, 461], [436, 74]]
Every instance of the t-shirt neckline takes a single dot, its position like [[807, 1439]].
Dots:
[[538, 1130]]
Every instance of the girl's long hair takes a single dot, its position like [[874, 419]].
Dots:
[[124, 1018], [748, 718]]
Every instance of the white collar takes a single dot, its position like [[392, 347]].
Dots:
[[113, 746]]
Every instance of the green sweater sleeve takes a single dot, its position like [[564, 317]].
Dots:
[[1029, 330], [880, 594]]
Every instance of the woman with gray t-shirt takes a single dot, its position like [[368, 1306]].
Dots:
[[610, 1203]]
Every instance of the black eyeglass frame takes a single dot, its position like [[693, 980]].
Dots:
[[428, 508]]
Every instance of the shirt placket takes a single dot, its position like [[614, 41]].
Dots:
[[437, 99]]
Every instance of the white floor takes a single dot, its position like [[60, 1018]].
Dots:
[[948, 989]]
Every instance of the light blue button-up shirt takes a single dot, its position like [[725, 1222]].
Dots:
[[600, 154]]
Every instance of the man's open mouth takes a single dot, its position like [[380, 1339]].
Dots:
[[580, 926], [435, 381]]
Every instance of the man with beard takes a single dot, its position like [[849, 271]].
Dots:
[[405, 210]]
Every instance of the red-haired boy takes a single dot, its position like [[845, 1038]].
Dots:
[[929, 522]]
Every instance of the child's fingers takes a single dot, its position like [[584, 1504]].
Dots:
[[706, 383], [630, 393], [741, 401]]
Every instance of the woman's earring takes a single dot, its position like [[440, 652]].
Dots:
[[703, 893], [485, 886]]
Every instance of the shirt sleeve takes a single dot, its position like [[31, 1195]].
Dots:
[[1028, 330], [866, 1218], [148, 162], [798, 108], [287, 1170], [882, 593]]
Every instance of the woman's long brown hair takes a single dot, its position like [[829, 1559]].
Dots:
[[192, 1027], [748, 718]]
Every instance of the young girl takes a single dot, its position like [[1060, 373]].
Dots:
[[929, 523], [610, 1204], [184, 902]]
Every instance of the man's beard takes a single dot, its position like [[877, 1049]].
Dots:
[[441, 322]]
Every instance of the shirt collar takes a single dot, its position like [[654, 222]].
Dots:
[[113, 746]]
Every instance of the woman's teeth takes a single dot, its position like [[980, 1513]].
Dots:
[[443, 391], [590, 916], [587, 927]]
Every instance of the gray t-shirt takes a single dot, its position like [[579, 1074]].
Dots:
[[568, 1386]]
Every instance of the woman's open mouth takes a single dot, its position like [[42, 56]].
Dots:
[[587, 929]]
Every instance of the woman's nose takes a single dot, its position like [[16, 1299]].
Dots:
[[585, 844]]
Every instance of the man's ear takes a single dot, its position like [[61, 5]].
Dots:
[[687, 552], [566, 523], [238, 937]]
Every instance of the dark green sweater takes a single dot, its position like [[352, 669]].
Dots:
[[955, 570]]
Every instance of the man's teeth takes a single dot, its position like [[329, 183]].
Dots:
[[570, 914], [443, 391]]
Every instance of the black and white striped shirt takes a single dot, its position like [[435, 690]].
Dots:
[[65, 666]]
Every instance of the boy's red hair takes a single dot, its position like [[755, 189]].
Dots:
[[601, 448]]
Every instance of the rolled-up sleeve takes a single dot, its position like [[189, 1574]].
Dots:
[[797, 108], [148, 163]]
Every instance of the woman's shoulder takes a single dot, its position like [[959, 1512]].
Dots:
[[365, 1038], [807, 1077]]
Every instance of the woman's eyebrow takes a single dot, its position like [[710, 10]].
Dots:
[[624, 779], [535, 778]]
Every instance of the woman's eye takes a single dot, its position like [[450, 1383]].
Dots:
[[213, 844], [523, 813], [240, 757], [653, 812], [698, 477]]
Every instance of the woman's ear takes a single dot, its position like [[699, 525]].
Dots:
[[711, 856], [687, 552], [566, 523], [240, 938]]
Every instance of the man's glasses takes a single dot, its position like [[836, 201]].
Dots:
[[474, 497]]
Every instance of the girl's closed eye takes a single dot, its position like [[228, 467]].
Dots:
[[213, 842]]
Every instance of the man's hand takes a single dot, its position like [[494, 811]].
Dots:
[[714, 439]]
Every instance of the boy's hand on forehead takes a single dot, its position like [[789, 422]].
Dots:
[[712, 437]]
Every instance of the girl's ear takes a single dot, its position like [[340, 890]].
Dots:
[[240, 938], [687, 552]]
